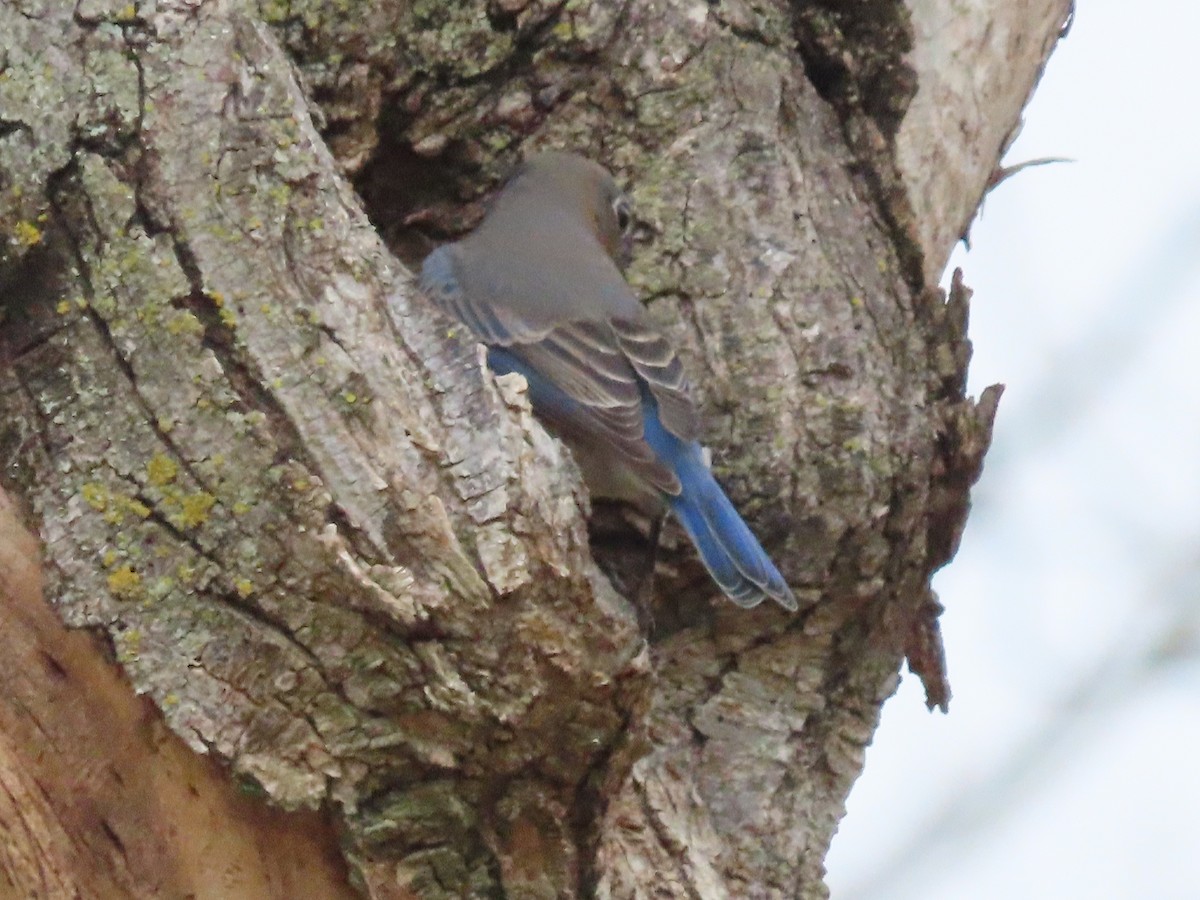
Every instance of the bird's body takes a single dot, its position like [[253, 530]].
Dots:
[[538, 282]]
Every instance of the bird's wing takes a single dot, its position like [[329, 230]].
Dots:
[[590, 379], [655, 360]]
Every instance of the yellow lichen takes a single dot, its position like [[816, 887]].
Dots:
[[184, 322], [195, 507], [244, 587], [124, 582], [161, 470], [95, 495], [27, 234]]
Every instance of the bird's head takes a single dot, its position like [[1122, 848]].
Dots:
[[587, 191]]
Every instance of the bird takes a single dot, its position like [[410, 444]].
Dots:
[[540, 282]]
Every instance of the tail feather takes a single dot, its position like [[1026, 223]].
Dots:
[[716, 558], [729, 550], [726, 545]]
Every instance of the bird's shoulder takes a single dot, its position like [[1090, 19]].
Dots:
[[566, 321]]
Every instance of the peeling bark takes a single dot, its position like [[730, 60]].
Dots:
[[344, 561]]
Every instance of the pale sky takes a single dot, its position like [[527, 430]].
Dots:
[[1069, 766]]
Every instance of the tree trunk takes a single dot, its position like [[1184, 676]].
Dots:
[[344, 562]]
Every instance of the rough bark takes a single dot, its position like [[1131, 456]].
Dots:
[[342, 560], [98, 799]]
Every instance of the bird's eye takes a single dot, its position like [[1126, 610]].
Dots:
[[623, 213]]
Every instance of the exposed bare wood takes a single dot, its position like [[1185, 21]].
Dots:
[[98, 799]]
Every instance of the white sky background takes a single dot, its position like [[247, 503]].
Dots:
[[1069, 766]]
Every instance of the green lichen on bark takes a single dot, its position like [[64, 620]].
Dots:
[[35, 90], [254, 492], [353, 569]]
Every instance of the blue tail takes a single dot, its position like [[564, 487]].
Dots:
[[727, 547]]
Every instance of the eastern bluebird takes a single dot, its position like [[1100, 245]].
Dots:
[[540, 283]]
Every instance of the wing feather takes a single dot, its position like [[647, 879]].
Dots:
[[602, 372], [656, 362]]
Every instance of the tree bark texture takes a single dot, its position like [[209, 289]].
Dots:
[[344, 562], [98, 799]]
